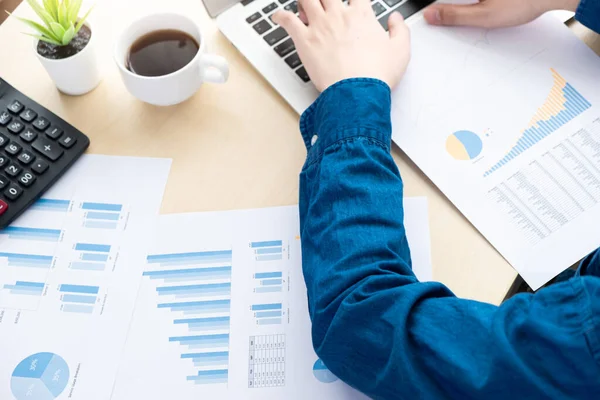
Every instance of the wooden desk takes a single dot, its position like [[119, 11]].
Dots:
[[233, 146]]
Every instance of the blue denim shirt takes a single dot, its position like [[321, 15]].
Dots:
[[383, 332]]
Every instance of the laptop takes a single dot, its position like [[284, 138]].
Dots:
[[248, 25]]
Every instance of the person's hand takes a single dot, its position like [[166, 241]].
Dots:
[[341, 42], [494, 13]]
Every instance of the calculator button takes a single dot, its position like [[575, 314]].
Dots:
[[28, 135], [254, 17], [301, 72], [13, 192], [16, 127], [275, 36], [4, 118], [13, 149], [260, 28], [54, 132], [3, 181], [67, 141], [3, 207], [28, 115], [39, 167], [269, 8], [284, 48], [12, 170], [16, 107], [293, 61], [283, 1], [41, 124], [26, 179], [3, 160], [378, 9], [48, 148], [3, 140], [26, 157]]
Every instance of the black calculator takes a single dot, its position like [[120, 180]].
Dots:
[[36, 148]]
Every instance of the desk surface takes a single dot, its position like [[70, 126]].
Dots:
[[235, 145]]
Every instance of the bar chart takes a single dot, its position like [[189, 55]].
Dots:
[[31, 234], [90, 257], [268, 314], [266, 361], [26, 288], [268, 250], [195, 289], [101, 215], [78, 298], [562, 105], [21, 294], [268, 282], [28, 260], [52, 205]]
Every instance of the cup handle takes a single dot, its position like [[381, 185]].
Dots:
[[215, 69]]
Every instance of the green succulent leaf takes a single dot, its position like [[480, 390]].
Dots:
[[82, 20], [44, 39], [41, 12], [73, 9], [40, 28], [58, 30], [69, 35], [63, 16], [51, 7]]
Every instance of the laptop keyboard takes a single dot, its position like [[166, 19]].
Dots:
[[278, 39]]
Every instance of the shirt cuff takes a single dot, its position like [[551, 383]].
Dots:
[[588, 13], [357, 107]]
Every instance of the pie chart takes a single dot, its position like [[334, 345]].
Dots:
[[322, 374], [41, 376], [464, 145]]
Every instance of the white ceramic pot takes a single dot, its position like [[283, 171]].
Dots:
[[75, 75]]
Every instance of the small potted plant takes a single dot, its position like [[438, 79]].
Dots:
[[65, 45]]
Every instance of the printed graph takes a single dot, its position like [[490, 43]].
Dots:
[[101, 215], [41, 376], [195, 289], [90, 257], [25, 288], [562, 105], [268, 282], [32, 234], [28, 260], [78, 298], [266, 361], [268, 251], [322, 373], [52, 205], [268, 314]]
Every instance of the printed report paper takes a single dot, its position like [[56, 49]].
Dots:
[[507, 124], [70, 268], [222, 310]]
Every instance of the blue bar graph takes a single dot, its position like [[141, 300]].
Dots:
[[214, 289], [28, 260], [101, 248], [267, 314], [562, 105], [269, 321], [78, 308], [102, 207], [270, 282], [269, 250], [51, 205], [265, 307], [26, 288], [190, 274], [214, 306], [268, 289], [105, 216], [37, 234], [208, 359], [209, 377], [78, 298], [94, 257], [191, 258], [204, 324], [266, 244], [267, 275], [79, 289]]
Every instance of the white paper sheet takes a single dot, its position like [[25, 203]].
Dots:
[[222, 310], [71, 267], [506, 123]]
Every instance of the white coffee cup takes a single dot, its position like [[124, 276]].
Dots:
[[177, 86]]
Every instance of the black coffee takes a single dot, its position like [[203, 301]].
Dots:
[[161, 52]]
